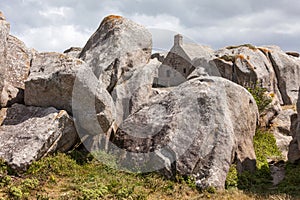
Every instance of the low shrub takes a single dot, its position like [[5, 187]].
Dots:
[[259, 94]]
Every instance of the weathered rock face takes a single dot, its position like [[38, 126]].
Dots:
[[131, 93], [28, 133], [199, 124], [73, 52], [287, 70], [249, 65], [66, 83], [51, 81], [294, 148], [92, 106], [281, 127], [18, 62], [15, 60], [11, 95], [116, 48], [269, 66], [4, 31]]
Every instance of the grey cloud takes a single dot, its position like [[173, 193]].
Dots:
[[213, 22]]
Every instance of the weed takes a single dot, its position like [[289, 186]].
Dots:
[[260, 181], [29, 184], [94, 193], [232, 178], [5, 180], [265, 148], [291, 182], [259, 94], [15, 192]]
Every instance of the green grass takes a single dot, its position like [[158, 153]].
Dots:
[[62, 177], [79, 176]]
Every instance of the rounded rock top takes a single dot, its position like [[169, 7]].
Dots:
[[112, 19]]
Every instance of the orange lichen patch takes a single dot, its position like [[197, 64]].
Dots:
[[246, 61], [240, 56], [2, 17], [272, 95], [264, 50], [111, 20], [112, 17]]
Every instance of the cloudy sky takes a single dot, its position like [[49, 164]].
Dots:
[[55, 25]]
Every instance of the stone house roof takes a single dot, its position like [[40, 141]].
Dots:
[[190, 51]]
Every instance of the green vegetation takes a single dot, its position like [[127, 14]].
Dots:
[[290, 185], [62, 177], [79, 176], [259, 94], [259, 181], [265, 148]]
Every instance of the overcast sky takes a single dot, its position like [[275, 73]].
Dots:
[[55, 25]]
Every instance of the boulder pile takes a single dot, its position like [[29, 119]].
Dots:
[[103, 95]]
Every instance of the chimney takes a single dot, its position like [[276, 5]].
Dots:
[[178, 40]]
